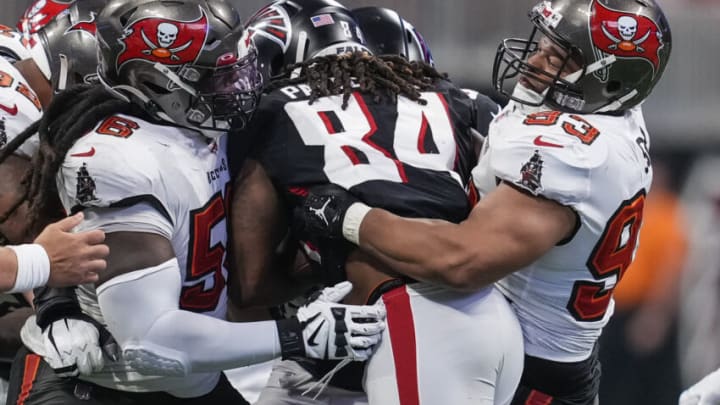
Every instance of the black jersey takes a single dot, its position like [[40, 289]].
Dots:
[[411, 159]]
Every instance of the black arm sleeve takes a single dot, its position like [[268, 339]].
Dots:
[[52, 304]]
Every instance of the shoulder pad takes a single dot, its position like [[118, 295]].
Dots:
[[104, 170], [544, 160]]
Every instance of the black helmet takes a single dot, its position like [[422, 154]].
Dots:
[[622, 47], [61, 39], [288, 32], [187, 62], [387, 33]]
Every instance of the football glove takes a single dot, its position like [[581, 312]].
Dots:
[[323, 212], [324, 329], [705, 392], [77, 345]]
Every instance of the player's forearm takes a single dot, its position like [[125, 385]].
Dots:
[[209, 344], [8, 269], [157, 338], [427, 250]]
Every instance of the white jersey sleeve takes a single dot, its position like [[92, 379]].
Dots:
[[545, 161], [19, 108], [102, 171]]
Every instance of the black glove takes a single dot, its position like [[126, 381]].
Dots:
[[322, 212]]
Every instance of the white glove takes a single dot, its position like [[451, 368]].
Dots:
[[72, 347], [336, 331], [705, 392]]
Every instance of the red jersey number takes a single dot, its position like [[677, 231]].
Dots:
[[204, 259], [572, 124], [610, 258]]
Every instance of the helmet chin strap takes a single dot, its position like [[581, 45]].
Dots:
[[62, 78], [173, 77], [592, 68], [531, 96]]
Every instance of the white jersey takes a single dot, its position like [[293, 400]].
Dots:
[[598, 165], [19, 108], [164, 180]]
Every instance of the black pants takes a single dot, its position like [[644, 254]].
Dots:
[[546, 382], [33, 382]]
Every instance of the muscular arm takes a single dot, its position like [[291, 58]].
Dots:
[[259, 275], [506, 231]]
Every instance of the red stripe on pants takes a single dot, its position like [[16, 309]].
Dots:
[[402, 338], [32, 363], [538, 398]]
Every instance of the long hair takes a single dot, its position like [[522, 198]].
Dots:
[[386, 76]]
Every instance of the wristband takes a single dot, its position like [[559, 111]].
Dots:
[[290, 334], [352, 221], [33, 267]]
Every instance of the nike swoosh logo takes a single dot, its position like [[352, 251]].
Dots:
[[311, 341], [89, 153], [539, 142], [10, 110]]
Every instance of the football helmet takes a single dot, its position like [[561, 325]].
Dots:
[[12, 46], [187, 62], [61, 39], [622, 47], [387, 33], [288, 32]]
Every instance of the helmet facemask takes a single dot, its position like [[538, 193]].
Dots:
[[560, 89], [226, 96]]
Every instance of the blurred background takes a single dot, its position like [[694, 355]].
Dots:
[[666, 331]]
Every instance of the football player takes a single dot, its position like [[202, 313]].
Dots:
[[562, 178], [143, 156], [398, 133]]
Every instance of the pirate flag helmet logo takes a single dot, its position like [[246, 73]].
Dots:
[[625, 35], [166, 41]]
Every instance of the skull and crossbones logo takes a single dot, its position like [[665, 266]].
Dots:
[[167, 34], [627, 28]]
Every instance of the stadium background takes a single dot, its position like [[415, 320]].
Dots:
[[683, 116]]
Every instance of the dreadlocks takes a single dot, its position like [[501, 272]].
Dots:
[[9, 149], [382, 76], [71, 115]]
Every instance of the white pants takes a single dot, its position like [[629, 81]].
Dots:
[[445, 347], [289, 381], [440, 347], [250, 380], [3, 391]]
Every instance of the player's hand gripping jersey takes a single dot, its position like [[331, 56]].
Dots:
[[19, 108], [163, 180], [598, 166]]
